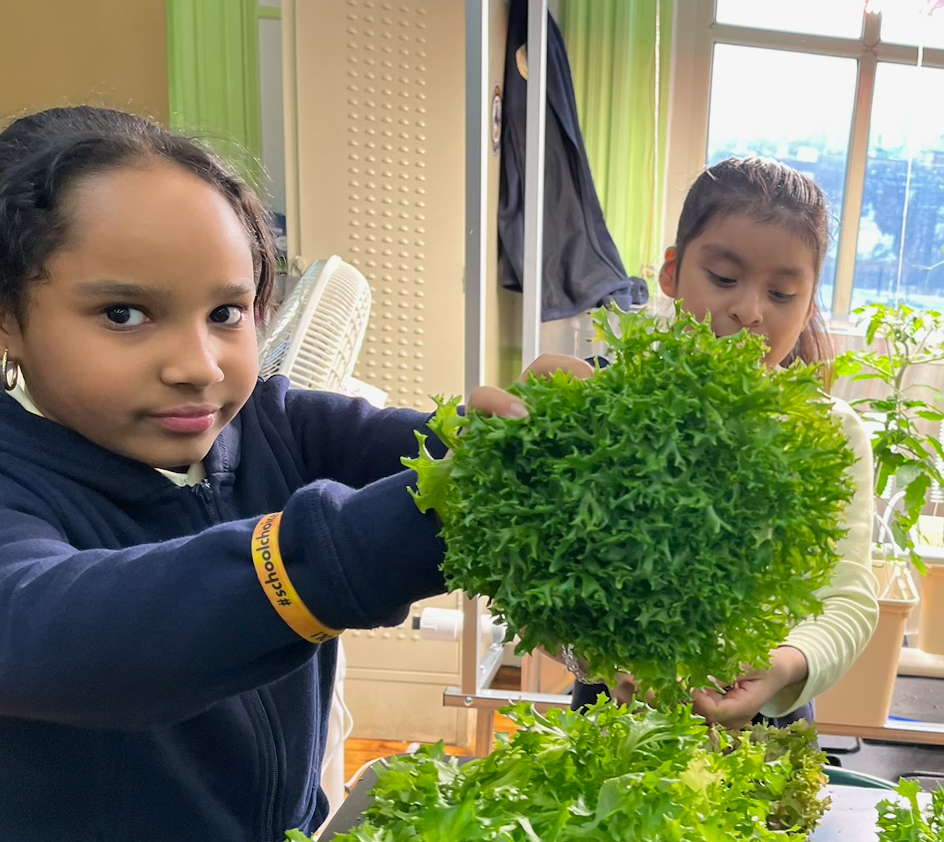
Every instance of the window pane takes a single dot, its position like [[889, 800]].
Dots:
[[903, 128], [839, 18], [915, 22], [794, 107]]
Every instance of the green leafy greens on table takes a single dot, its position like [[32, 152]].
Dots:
[[904, 821], [615, 773], [671, 516]]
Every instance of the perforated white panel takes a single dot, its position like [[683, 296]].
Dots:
[[398, 213], [379, 101], [387, 201]]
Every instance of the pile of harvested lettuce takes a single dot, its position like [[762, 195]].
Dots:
[[671, 516], [904, 820], [616, 773]]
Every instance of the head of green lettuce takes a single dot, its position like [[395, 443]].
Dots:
[[671, 516]]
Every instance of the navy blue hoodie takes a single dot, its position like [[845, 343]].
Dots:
[[148, 690]]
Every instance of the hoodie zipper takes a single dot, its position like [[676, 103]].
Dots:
[[272, 753], [204, 493]]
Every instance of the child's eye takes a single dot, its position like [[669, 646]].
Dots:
[[124, 316], [782, 297], [229, 315], [720, 280]]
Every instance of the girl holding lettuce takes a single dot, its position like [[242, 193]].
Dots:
[[751, 242]]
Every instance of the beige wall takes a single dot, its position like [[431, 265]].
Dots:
[[64, 52]]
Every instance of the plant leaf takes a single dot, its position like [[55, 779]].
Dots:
[[565, 777], [671, 516]]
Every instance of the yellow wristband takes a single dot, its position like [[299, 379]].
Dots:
[[278, 587]]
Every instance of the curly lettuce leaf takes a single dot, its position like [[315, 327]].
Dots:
[[905, 821], [616, 773], [671, 516]]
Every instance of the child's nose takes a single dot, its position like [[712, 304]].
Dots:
[[747, 309], [190, 360]]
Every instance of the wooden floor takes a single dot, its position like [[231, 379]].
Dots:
[[359, 753]]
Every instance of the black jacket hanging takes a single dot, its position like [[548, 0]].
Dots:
[[581, 266]]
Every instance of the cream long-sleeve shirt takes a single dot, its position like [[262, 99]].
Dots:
[[833, 640]]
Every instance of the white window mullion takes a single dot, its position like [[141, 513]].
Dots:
[[742, 36], [855, 172], [902, 54]]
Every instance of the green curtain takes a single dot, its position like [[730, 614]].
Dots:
[[213, 69], [620, 58]]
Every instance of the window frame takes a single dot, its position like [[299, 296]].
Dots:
[[695, 36]]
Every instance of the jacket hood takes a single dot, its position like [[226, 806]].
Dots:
[[51, 446]]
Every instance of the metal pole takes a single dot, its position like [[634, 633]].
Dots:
[[857, 163], [290, 110], [534, 180], [476, 188], [476, 240]]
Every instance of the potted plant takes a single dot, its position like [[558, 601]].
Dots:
[[905, 456], [905, 460]]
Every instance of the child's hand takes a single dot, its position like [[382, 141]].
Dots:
[[494, 401], [739, 704], [549, 363], [625, 690]]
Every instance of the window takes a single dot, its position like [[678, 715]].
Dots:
[[800, 113], [839, 18], [901, 227], [901, 23], [847, 95]]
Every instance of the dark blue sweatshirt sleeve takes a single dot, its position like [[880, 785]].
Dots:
[[348, 439], [156, 633]]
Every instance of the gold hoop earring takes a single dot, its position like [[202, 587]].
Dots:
[[9, 371]]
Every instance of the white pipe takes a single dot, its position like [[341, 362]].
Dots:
[[477, 143], [447, 624], [534, 180]]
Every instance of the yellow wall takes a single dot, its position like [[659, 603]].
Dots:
[[67, 52]]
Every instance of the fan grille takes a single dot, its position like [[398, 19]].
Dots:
[[318, 332]]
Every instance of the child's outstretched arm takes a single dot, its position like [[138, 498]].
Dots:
[[154, 633], [362, 444], [819, 650], [158, 632]]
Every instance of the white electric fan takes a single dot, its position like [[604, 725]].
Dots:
[[317, 332]]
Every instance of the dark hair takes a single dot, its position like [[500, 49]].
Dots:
[[43, 155], [767, 191]]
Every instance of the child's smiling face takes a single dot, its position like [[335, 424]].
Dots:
[[756, 276], [141, 337]]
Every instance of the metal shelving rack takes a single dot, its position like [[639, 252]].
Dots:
[[478, 667]]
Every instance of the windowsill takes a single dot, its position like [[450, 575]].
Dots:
[[843, 327]]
